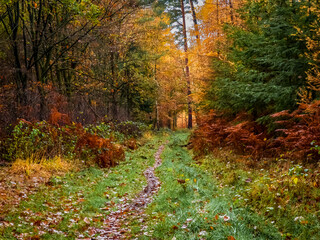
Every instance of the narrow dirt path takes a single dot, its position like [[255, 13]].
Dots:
[[117, 222]]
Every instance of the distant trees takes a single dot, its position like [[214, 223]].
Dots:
[[177, 10]]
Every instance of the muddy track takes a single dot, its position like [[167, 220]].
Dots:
[[117, 222]]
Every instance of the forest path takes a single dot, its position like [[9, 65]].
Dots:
[[116, 222], [127, 202], [93, 203], [192, 205]]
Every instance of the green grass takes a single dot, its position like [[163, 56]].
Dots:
[[271, 192], [199, 208], [211, 200], [68, 206]]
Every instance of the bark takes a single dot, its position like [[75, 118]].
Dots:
[[187, 73], [195, 22], [114, 109], [14, 16], [231, 11], [157, 106]]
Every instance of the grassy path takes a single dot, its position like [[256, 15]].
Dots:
[[98, 204], [74, 206], [131, 210], [191, 205]]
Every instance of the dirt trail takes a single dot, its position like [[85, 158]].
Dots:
[[117, 222]]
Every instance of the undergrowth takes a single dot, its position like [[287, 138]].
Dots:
[[102, 143], [42, 166], [294, 135], [285, 193]]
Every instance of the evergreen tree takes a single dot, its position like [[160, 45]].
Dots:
[[266, 64]]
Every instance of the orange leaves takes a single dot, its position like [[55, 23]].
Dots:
[[301, 131], [57, 118], [217, 132], [107, 153], [296, 135]]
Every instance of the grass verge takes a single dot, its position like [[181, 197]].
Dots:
[[285, 193]]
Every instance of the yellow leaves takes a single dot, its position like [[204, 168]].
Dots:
[[212, 54]]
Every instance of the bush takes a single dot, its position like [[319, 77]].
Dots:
[[130, 129], [119, 131], [45, 140], [41, 139], [243, 135]]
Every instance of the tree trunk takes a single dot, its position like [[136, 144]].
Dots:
[[185, 40], [231, 11], [14, 17], [114, 109], [195, 22], [157, 122]]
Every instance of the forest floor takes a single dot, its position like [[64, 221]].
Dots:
[[159, 192]]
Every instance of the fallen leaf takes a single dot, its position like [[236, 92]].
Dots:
[[86, 220]]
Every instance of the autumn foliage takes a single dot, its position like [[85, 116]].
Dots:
[[215, 131], [301, 133], [107, 153], [296, 135], [59, 136]]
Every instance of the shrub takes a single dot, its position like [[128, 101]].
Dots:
[[41, 139], [130, 129], [45, 140], [300, 131], [243, 135], [119, 131], [106, 152]]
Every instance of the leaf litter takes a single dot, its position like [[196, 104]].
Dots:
[[116, 225]]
